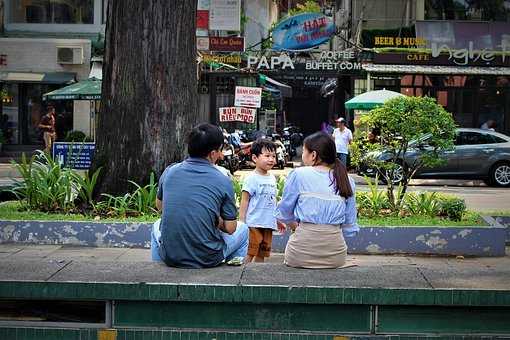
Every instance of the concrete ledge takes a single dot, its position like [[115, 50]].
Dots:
[[435, 240]]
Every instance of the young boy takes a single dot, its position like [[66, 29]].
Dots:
[[258, 201]]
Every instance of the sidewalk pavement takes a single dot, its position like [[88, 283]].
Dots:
[[62, 263]]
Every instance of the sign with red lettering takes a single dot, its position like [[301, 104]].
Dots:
[[237, 114], [226, 44], [248, 96], [3, 59], [202, 19]]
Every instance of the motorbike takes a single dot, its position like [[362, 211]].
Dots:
[[230, 159], [281, 153], [292, 138]]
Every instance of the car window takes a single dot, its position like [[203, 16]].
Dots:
[[474, 138]]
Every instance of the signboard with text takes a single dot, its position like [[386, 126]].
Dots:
[[202, 19], [74, 155], [237, 114], [225, 15], [226, 44], [248, 96]]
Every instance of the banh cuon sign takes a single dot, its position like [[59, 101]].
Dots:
[[303, 31], [459, 56]]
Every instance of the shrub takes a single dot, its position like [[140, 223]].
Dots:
[[76, 136], [452, 207], [423, 203], [45, 184]]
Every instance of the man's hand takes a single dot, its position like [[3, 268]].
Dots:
[[228, 227]]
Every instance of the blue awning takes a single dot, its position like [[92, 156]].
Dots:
[[34, 77]]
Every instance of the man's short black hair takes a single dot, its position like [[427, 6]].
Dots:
[[203, 139], [260, 144]]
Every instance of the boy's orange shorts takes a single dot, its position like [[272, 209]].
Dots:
[[260, 242]]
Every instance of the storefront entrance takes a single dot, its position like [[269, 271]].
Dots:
[[22, 109]]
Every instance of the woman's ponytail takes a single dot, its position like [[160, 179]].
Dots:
[[343, 186]]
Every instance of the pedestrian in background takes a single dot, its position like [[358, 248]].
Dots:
[[47, 126], [343, 138], [319, 205]]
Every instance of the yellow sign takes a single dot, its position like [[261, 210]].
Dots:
[[224, 59], [399, 42], [107, 334]]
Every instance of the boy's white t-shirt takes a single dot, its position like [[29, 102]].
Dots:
[[262, 207], [342, 140]]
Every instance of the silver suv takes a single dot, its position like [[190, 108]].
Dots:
[[478, 154]]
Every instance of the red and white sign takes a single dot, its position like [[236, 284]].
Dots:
[[202, 19], [237, 114], [248, 96]]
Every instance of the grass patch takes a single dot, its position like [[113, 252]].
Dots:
[[469, 219], [11, 211]]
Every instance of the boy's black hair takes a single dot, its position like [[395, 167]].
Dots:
[[260, 144], [203, 139]]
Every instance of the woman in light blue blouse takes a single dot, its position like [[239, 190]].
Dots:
[[319, 204]]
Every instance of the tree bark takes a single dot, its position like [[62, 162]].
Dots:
[[149, 91]]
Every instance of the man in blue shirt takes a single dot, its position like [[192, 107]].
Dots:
[[198, 227]]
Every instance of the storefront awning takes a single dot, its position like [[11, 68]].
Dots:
[[285, 89], [426, 69], [84, 90], [32, 77]]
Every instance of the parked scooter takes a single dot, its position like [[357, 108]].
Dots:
[[292, 138], [281, 153], [230, 159]]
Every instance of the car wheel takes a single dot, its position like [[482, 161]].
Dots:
[[500, 175], [398, 174]]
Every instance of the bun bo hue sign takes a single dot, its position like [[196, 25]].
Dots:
[[237, 114]]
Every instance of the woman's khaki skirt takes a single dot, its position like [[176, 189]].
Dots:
[[316, 246]]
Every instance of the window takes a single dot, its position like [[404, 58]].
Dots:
[[475, 138], [491, 10], [52, 12]]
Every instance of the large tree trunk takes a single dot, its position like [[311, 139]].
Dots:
[[149, 94]]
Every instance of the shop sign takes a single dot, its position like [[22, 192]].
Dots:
[[302, 32], [464, 56], [335, 61], [237, 114], [203, 43], [402, 42], [74, 155], [3, 59], [225, 15], [282, 61], [202, 19], [224, 59], [203, 5], [226, 44], [248, 96]]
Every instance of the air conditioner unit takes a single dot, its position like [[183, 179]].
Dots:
[[70, 55]]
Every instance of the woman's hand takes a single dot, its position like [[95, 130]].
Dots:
[[292, 225], [281, 227]]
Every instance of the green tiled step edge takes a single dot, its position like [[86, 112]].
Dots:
[[127, 334], [251, 294]]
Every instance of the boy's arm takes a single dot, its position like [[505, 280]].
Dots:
[[245, 200]]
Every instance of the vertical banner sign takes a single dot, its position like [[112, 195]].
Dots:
[[202, 19], [237, 114], [225, 15], [248, 96]]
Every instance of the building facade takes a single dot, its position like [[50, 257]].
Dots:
[[45, 45]]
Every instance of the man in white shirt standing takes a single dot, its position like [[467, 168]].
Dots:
[[343, 137]]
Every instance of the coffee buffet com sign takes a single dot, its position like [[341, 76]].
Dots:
[[458, 56]]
